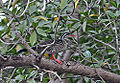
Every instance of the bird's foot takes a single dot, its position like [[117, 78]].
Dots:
[[60, 62]]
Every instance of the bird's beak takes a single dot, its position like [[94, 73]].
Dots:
[[72, 35]]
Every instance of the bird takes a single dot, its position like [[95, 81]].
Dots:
[[59, 45]]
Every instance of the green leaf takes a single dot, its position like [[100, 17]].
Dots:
[[30, 19], [76, 25], [54, 23], [106, 60], [3, 49], [63, 4], [32, 74], [118, 3], [22, 27], [76, 3], [91, 31], [20, 71], [19, 77], [32, 9], [12, 81], [100, 63], [6, 11], [41, 32], [74, 20], [42, 18], [104, 20], [111, 13], [14, 3], [117, 13], [86, 79], [84, 26], [111, 53], [113, 3], [31, 81], [33, 38]]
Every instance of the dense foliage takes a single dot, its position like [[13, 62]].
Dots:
[[95, 22]]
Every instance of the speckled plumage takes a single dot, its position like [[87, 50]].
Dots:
[[59, 45]]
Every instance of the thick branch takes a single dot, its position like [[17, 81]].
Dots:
[[73, 67]]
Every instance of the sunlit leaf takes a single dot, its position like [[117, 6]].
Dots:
[[104, 63], [14, 3], [28, 53], [17, 47], [42, 18], [106, 9], [113, 3], [33, 38], [76, 3], [45, 54], [56, 18], [93, 15], [107, 5]]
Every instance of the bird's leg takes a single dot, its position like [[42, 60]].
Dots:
[[60, 62], [49, 56]]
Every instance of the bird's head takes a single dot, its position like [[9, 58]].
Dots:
[[67, 34]]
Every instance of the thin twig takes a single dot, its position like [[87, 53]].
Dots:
[[104, 43], [25, 9], [9, 4], [12, 75], [117, 44], [6, 43], [1, 3], [14, 45], [1, 70], [3, 57], [54, 73], [23, 41], [44, 7], [52, 80], [87, 7]]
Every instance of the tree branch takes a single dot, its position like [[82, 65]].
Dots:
[[73, 67]]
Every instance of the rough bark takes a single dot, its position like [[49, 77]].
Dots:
[[67, 67]]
